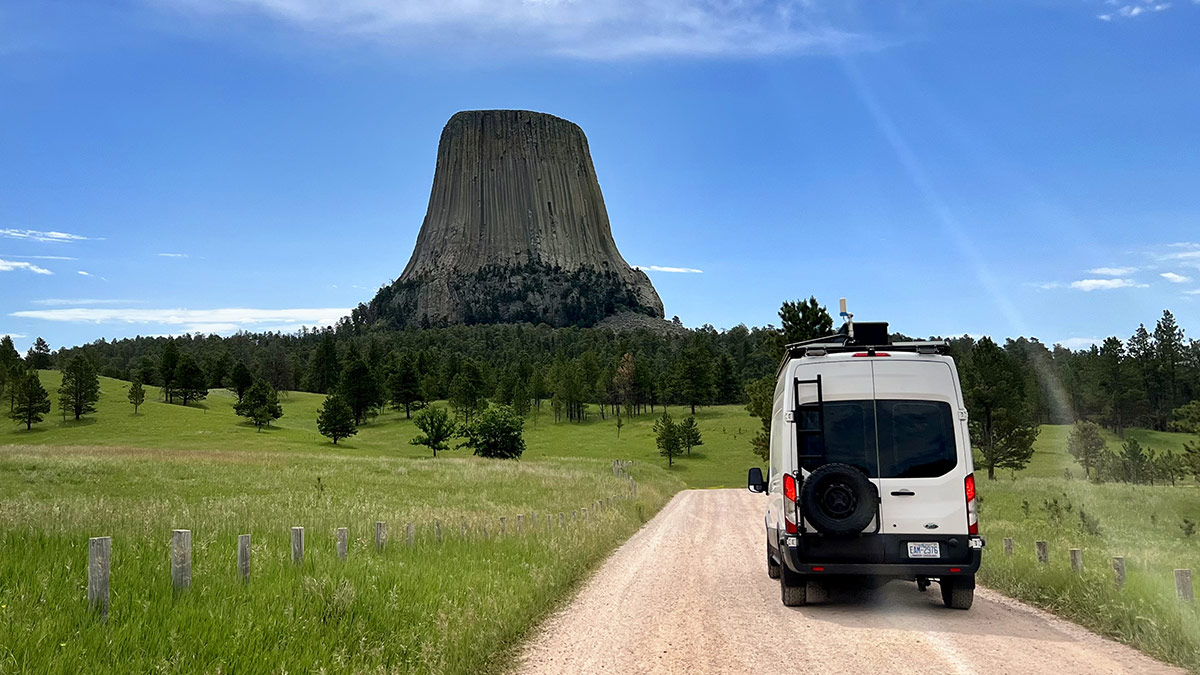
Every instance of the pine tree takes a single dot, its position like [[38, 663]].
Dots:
[[38, 356], [358, 386], [689, 434], [404, 386], [666, 437], [761, 393], [260, 405], [137, 394], [803, 320], [1087, 445], [31, 401], [189, 382], [324, 370], [80, 387], [466, 391], [1133, 461], [728, 386], [437, 429], [1000, 427], [693, 376], [335, 419], [240, 380], [168, 366]]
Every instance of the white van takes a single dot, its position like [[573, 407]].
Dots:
[[871, 472]]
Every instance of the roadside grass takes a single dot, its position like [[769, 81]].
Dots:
[[1140, 523], [458, 606]]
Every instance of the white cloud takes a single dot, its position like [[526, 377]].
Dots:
[[42, 257], [83, 273], [594, 29], [172, 255], [1104, 284], [1112, 271], [660, 268], [11, 265], [191, 320], [1080, 342], [1132, 10], [15, 336], [38, 235], [62, 302], [1175, 278], [1195, 291]]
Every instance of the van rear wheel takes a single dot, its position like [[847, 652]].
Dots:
[[958, 592], [793, 588]]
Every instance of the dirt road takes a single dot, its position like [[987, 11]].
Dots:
[[689, 593]]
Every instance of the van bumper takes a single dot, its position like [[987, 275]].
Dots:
[[879, 555]]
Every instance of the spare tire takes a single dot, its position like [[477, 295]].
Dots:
[[839, 499]]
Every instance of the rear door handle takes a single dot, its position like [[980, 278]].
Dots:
[[903, 493]]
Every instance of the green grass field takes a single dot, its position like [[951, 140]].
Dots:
[[465, 604]]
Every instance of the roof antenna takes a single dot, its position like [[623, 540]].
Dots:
[[849, 319]]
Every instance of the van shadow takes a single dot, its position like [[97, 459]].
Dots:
[[898, 604]]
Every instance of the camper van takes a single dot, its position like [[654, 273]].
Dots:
[[871, 475]]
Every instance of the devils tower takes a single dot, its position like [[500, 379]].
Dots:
[[516, 231]]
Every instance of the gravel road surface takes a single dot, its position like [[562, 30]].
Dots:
[[689, 593]]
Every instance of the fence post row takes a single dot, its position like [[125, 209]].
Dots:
[[99, 557], [243, 557], [181, 559]]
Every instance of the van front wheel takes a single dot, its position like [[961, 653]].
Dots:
[[958, 592], [793, 588]]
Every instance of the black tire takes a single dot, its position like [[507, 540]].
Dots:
[[772, 566], [838, 499], [958, 592], [793, 588]]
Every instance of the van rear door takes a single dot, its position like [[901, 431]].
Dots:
[[921, 441]]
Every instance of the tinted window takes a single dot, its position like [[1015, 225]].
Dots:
[[885, 439], [916, 439], [849, 434]]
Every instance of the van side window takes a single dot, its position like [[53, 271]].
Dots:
[[916, 439]]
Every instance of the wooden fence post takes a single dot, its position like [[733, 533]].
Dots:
[[1043, 552], [298, 545], [1076, 560], [1183, 585], [462, 528], [380, 535], [583, 514], [181, 559], [520, 524], [1119, 571], [343, 543], [243, 557], [99, 557], [562, 520], [503, 525], [410, 532], [1008, 546], [437, 531]]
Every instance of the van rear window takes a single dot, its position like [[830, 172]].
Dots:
[[885, 438]]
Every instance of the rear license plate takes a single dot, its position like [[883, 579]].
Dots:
[[924, 550]]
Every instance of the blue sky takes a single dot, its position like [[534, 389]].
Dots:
[[1018, 167]]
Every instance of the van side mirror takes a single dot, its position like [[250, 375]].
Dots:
[[755, 482]]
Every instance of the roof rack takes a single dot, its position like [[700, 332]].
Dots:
[[819, 347]]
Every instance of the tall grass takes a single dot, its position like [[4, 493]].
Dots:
[[1140, 523], [457, 606]]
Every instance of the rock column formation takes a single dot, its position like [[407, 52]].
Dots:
[[516, 230]]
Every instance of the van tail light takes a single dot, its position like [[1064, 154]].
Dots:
[[972, 513], [789, 503]]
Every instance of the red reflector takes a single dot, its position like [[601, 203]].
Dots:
[[861, 354], [818, 569], [955, 569], [970, 487], [789, 487], [791, 527], [973, 528]]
